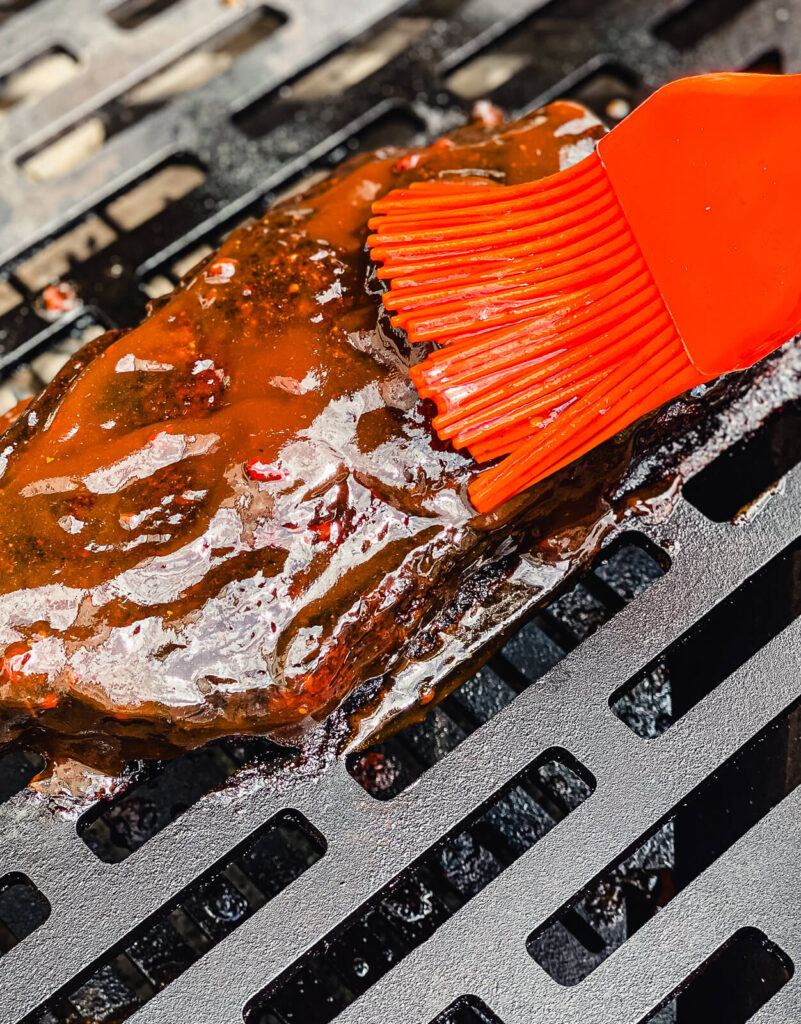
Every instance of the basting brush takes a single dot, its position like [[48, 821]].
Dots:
[[562, 310]]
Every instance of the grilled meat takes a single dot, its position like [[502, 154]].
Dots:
[[228, 518]]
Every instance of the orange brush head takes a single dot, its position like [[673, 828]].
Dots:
[[563, 310]]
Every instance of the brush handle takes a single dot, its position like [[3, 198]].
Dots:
[[708, 173]]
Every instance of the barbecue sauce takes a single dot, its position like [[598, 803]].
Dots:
[[228, 518]]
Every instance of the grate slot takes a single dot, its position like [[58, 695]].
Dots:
[[114, 829], [485, 73], [162, 953], [198, 66], [715, 647], [36, 77], [467, 1010], [412, 907], [70, 147], [17, 768], [735, 479], [148, 197], [399, 126], [20, 386], [104, 998], [685, 28], [732, 986], [23, 909], [701, 828], [63, 342], [331, 77], [65, 151], [769, 62], [194, 921], [505, 57], [188, 261], [54, 261], [610, 90], [619, 575], [130, 14], [10, 298], [575, 616], [357, 62]]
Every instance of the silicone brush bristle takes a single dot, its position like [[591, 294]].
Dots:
[[552, 333]]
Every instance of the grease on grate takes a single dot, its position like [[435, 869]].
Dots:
[[619, 574]]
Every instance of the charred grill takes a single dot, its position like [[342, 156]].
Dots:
[[632, 748]]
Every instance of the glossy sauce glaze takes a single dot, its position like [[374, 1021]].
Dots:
[[229, 517]]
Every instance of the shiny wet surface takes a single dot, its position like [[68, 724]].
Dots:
[[229, 517]]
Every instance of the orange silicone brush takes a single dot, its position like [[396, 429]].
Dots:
[[562, 310]]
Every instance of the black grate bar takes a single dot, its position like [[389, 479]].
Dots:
[[196, 920], [704, 826], [414, 905], [743, 888]]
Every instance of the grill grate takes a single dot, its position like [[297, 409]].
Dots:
[[632, 748]]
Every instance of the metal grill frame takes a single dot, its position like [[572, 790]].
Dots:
[[481, 950]]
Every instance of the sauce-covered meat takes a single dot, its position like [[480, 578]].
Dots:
[[232, 515]]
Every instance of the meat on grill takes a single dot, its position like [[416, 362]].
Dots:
[[227, 518]]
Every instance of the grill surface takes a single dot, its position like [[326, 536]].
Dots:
[[504, 859]]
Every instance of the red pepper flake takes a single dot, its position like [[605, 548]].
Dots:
[[444, 144], [407, 163], [256, 469], [221, 271], [12, 666], [57, 299], [323, 530], [49, 701]]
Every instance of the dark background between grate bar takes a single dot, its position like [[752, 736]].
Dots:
[[94, 902]]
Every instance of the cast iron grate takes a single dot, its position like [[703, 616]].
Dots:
[[662, 686]]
